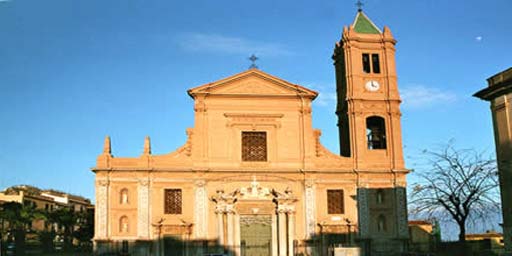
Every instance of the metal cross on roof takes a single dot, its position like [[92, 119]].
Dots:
[[253, 59], [359, 5]]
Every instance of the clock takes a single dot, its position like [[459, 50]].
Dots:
[[372, 86]]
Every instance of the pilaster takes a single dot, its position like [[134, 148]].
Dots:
[[310, 202], [200, 211], [143, 209], [401, 212], [363, 212], [102, 196]]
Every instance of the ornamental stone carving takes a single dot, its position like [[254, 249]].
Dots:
[[235, 119], [101, 209], [144, 182], [143, 209], [200, 211], [255, 191], [310, 201], [103, 183]]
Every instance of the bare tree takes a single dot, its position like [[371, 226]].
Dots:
[[457, 185]]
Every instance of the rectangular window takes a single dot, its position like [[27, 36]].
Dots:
[[335, 204], [366, 63], [254, 146], [173, 200], [375, 63]]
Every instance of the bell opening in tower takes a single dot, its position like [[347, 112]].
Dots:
[[376, 132]]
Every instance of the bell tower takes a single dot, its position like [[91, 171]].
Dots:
[[368, 107]]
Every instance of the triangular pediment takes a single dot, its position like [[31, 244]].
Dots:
[[252, 82]]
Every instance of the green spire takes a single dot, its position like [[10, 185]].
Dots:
[[362, 24]]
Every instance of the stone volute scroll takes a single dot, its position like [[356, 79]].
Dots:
[[286, 220], [225, 212]]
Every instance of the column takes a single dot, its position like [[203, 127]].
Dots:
[[274, 235], [220, 225], [230, 229], [282, 232], [237, 234], [143, 209], [101, 214], [291, 231]]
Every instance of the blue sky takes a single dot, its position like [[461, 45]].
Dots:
[[73, 71]]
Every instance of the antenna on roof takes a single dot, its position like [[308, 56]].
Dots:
[[359, 5]]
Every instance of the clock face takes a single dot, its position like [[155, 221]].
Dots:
[[372, 86]]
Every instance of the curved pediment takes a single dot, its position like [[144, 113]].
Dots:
[[252, 82]]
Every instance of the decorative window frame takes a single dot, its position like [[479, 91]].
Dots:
[[239, 122]]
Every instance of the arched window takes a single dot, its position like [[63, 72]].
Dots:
[[376, 132], [123, 225], [381, 223], [379, 196], [123, 196]]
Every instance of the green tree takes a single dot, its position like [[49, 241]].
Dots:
[[66, 220], [19, 218], [85, 231]]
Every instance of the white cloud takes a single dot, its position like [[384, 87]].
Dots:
[[231, 45], [418, 96], [326, 94], [413, 96]]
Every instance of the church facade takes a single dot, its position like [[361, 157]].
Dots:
[[253, 178]]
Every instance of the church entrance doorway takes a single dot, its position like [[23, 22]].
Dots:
[[255, 235], [174, 246]]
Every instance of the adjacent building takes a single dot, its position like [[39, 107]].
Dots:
[[424, 236], [499, 93], [490, 242], [44, 199], [253, 178]]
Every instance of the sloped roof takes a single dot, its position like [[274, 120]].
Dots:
[[267, 84], [419, 222], [362, 24]]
